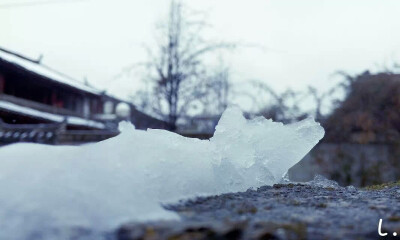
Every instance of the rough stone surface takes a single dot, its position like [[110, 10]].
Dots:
[[283, 211]]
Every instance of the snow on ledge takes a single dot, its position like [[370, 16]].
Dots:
[[49, 116]]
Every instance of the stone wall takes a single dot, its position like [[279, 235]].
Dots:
[[350, 164]]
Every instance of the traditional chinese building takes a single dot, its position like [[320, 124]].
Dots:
[[39, 104]]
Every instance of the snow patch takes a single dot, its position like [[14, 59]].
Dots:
[[100, 186]]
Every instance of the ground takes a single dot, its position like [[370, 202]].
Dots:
[[283, 211]]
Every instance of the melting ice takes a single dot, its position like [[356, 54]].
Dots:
[[102, 185]]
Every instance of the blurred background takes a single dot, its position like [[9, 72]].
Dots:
[[71, 70]]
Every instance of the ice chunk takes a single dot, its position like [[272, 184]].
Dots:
[[351, 188], [321, 181], [102, 185], [261, 151]]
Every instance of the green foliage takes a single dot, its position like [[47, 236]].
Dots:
[[382, 186]]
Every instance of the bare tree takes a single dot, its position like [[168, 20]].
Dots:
[[218, 90], [177, 69], [221, 87], [319, 100], [284, 107]]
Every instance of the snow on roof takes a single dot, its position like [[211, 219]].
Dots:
[[45, 71], [49, 116], [85, 122]]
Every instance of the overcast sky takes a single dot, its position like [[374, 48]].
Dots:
[[304, 41]]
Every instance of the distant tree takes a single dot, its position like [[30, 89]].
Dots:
[[369, 111], [181, 79]]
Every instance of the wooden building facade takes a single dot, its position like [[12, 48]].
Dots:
[[33, 96]]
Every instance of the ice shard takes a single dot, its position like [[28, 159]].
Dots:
[[125, 178]]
